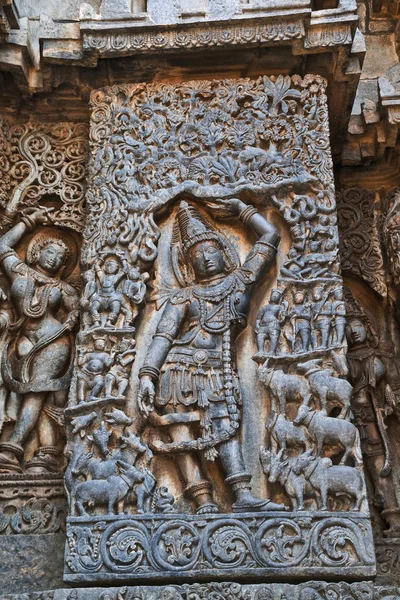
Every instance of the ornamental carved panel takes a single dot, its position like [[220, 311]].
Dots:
[[208, 418], [42, 172]]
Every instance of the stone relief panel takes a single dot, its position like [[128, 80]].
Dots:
[[359, 227], [212, 237], [42, 216]]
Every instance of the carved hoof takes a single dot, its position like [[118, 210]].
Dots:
[[210, 508]]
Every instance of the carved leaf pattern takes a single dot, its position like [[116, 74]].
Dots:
[[360, 251]]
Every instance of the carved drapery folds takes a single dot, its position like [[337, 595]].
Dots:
[[191, 187], [43, 175]]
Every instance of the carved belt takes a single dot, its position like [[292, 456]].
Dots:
[[196, 357]]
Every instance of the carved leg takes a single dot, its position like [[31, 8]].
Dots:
[[114, 314], [82, 389], [305, 335], [198, 488], [122, 387], [324, 496], [324, 337], [110, 380], [273, 342], [94, 311], [81, 508], [97, 387], [261, 339], [31, 408], [346, 455], [300, 497], [237, 477]]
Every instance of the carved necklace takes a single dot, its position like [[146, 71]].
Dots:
[[36, 299], [220, 294]]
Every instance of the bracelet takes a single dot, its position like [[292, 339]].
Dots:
[[152, 372], [5, 252], [164, 334], [28, 222], [274, 248], [246, 214]]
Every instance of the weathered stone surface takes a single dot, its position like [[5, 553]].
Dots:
[[222, 591], [31, 562]]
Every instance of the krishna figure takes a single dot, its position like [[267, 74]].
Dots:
[[188, 383]]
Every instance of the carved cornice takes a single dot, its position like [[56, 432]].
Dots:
[[105, 43]]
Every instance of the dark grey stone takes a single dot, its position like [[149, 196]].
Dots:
[[31, 562]]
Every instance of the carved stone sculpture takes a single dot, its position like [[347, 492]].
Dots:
[[370, 406], [189, 186], [38, 356], [190, 357], [268, 324]]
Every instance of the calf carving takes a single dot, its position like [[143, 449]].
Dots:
[[324, 387], [283, 433], [111, 491], [328, 479], [279, 469], [284, 388], [327, 430]]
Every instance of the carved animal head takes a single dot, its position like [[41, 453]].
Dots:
[[303, 461], [130, 472], [303, 412], [133, 442], [271, 420], [80, 465], [310, 365], [100, 438], [277, 465], [266, 372]]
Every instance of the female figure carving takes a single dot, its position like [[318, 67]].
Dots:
[[188, 383], [36, 361], [370, 408]]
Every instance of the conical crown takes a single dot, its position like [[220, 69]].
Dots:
[[193, 227]]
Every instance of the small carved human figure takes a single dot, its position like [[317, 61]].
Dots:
[[90, 288], [118, 375], [321, 318], [294, 265], [107, 299], [268, 324], [37, 359], [91, 375], [339, 316], [300, 317], [134, 290], [191, 356], [327, 232], [369, 406]]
